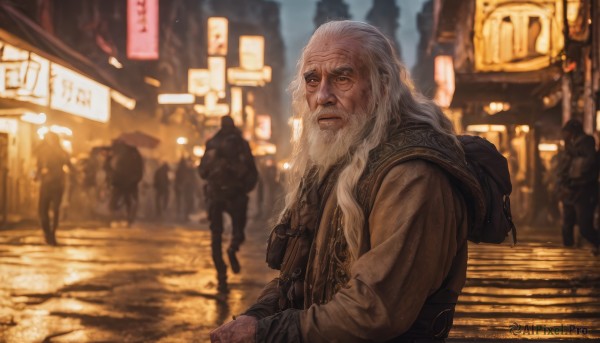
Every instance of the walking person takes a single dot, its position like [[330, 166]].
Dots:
[[161, 189], [185, 189], [52, 160], [578, 184], [124, 168], [230, 173]]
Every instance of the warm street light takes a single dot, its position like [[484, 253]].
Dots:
[[176, 99], [198, 151], [61, 130], [115, 62], [34, 118], [182, 140]]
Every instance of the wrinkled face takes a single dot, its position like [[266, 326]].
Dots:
[[336, 82]]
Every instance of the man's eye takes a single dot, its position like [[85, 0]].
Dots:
[[343, 83], [312, 82], [342, 79]]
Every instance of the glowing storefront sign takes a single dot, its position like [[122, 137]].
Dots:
[[176, 99], [252, 52], [78, 95], [216, 67], [198, 81], [8, 126], [254, 78], [142, 29], [514, 36], [217, 36], [23, 75], [211, 107]]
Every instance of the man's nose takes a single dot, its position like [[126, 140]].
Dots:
[[325, 94]]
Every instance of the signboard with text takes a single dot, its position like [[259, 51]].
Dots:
[[252, 52], [78, 95], [142, 29], [198, 81], [217, 36], [23, 75]]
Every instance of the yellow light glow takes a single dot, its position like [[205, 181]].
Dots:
[[79, 95], [237, 105], [486, 128], [496, 107], [34, 118], [216, 67], [252, 52], [198, 151], [24, 76], [176, 99], [265, 149], [515, 36], [61, 130], [217, 36], [548, 147], [524, 128], [123, 100], [198, 81], [252, 78], [286, 166], [152, 81], [444, 79], [42, 131], [67, 145], [182, 140], [115, 62], [9, 126]]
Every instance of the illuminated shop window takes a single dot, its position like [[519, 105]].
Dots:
[[517, 36]]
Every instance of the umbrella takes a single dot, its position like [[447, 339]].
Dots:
[[139, 139]]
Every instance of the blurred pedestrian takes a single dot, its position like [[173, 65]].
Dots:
[[185, 189], [161, 189], [578, 184], [230, 173], [124, 171], [52, 160]]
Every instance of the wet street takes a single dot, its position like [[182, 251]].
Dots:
[[148, 283], [155, 283]]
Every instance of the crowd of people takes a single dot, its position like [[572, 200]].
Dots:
[[117, 184]]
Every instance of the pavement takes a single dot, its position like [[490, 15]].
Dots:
[[155, 283], [147, 283]]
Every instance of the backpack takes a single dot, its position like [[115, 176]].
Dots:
[[233, 167], [490, 168]]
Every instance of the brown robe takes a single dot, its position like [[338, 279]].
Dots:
[[416, 241]]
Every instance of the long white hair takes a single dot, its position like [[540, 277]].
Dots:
[[392, 100]]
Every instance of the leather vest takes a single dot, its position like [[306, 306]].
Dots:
[[410, 142]]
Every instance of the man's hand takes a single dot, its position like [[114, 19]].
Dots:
[[241, 330]]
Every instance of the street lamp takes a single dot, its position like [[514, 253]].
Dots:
[[182, 140]]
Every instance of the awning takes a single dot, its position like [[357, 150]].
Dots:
[[515, 88], [15, 23]]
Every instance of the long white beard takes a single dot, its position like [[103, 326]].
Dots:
[[326, 147]]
